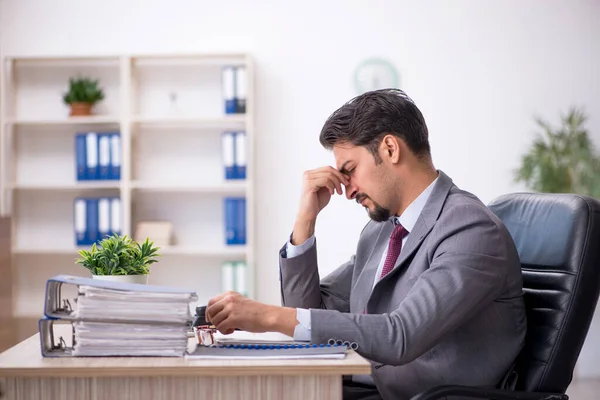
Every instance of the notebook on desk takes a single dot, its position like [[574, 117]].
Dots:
[[266, 346]]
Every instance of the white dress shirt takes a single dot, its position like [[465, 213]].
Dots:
[[408, 219]]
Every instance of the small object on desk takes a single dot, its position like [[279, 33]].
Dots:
[[200, 318], [205, 334], [203, 331]]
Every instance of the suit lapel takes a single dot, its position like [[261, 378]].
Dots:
[[424, 224], [364, 283]]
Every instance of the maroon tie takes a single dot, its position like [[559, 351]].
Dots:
[[393, 249]]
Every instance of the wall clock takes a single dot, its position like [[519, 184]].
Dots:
[[375, 73]]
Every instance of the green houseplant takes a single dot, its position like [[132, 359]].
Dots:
[[119, 258], [82, 95], [563, 159]]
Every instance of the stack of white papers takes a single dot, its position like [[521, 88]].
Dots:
[[124, 339], [102, 303], [121, 322], [108, 318]]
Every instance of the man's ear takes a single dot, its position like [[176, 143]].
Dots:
[[390, 148]]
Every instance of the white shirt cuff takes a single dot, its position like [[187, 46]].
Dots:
[[302, 330], [294, 251]]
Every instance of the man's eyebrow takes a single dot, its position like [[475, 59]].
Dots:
[[343, 167]]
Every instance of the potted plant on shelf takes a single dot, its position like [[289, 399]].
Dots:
[[82, 95], [562, 160], [119, 258]]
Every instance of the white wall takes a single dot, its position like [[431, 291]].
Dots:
[[479, 71]]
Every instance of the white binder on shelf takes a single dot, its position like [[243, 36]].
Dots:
[[103, 156], [115, 156], [91, 142], [241, 90], [228, 154], [80, 221], [228, 83], [240, 155], [227, 276], [240, 278]]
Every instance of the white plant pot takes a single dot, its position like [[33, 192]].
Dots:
[[123, 278]]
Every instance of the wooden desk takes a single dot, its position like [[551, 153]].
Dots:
[[26, 375]]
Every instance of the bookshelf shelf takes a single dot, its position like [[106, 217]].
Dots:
[[48, 251], [222, 188], [170, 113], [228, 252], [215, 122], [74, 186], [91, 120], [224, 251]]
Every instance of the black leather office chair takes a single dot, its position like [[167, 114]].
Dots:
[[558, 239]]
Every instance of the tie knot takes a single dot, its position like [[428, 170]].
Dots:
[[399, 232]]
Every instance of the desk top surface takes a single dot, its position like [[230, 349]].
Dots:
[[25, 359]]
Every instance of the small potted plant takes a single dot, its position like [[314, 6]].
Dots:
[[83, 94], [119, 258]]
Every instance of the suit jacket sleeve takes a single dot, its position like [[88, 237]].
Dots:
[[467, 271], [301, 286]]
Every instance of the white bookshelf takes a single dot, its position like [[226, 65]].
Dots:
[[170, 113]]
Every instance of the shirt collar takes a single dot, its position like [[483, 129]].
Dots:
[[409, 217]]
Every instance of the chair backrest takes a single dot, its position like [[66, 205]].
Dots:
[[558, 240]]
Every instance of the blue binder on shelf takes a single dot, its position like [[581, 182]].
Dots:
[[104, 162], [241, 220], [91, 142], [228, 154], [228, 89], [92, 221], [115, 156], [80, 221], [80, 157], [235, 220], [240, 155], [240, 90]]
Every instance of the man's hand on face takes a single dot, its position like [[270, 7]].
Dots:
[[231, 310], [318, 185]]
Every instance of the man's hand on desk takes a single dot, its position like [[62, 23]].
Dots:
[[231, 310]]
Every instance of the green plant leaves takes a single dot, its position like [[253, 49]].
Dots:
[[119, 255], [83, 90], [562, 160]]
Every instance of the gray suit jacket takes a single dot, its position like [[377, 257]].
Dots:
[[450, 312]]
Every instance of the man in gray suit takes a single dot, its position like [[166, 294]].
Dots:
[[433, 294]]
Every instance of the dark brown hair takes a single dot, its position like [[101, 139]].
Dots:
[[366, 119]]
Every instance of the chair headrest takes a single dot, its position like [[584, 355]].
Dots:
[[542, 225]]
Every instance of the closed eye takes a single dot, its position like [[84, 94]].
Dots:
[[346, 171]]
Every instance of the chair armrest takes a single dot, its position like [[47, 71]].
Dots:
[[483, 393]]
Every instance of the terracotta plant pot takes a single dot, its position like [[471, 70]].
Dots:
[[81, 109]]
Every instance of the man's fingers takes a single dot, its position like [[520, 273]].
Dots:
[[225, 326], [344, 179], [327, 180], [219, 317], [214, 309], [216, 300]]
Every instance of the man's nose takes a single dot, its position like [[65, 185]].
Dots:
[[351, 190]]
